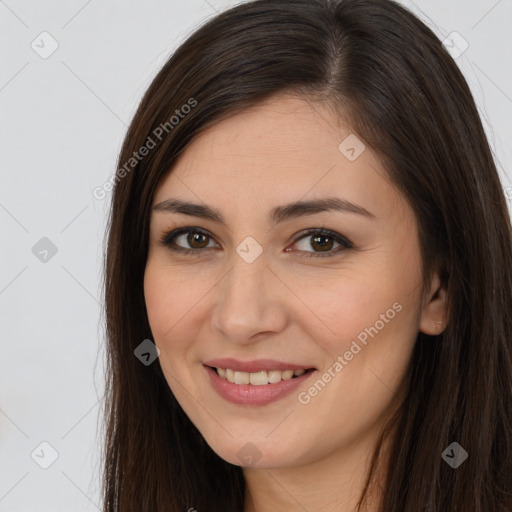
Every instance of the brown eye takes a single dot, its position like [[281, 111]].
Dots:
[[324, 243], [321, 242], [197, 240], [187, 240]]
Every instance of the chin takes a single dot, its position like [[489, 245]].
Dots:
[[259, 453]]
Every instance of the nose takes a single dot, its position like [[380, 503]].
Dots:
[[249, 302]]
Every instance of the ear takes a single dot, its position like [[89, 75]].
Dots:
[[434, 314]]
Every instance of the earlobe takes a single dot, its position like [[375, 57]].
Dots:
[[434, 314]]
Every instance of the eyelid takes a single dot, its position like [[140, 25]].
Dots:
[[168, 235]]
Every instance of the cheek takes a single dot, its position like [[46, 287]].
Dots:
[[374, 316], [170, 302], [355, 304], [370, 317]]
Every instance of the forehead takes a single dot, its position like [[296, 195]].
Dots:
[[281, 150]]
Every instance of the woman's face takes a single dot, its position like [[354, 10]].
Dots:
[[262, 295]]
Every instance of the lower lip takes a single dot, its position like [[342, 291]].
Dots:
[[248, 394]]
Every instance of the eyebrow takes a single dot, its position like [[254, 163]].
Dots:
[[277, 215]]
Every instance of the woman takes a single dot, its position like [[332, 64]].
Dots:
[[309, 275]]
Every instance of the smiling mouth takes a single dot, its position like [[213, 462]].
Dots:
[[260, 378]]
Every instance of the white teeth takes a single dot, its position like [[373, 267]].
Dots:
[[241, 378], [258, 378], [274, 376]]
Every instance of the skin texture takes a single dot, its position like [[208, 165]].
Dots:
[[285, 305]]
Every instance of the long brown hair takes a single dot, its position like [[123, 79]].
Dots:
[[402, 93]]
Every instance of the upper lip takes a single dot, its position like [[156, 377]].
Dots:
[[256, 365]]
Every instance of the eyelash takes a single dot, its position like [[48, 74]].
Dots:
[[167, 237]]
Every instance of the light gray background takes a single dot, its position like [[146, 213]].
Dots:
[[63, 119]]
